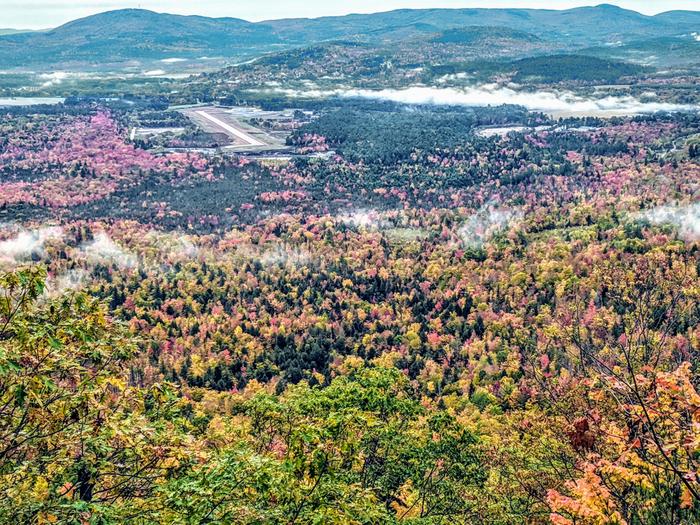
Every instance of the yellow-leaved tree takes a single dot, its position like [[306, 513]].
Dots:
[[76, 441]]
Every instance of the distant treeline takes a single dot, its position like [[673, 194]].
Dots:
[[549, 69]]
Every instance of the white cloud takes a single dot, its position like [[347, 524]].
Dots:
[[366, 219], [484, 224], [555, 102], [27, 243], [685, 218], [284, 255], [69, 281], [177, 247], [102, 249], [493, 95], [53, 79]]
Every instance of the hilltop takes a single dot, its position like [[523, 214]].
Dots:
[[133, 36]]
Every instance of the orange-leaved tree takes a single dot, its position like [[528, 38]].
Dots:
[[634, 342]]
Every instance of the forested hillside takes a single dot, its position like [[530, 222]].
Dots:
[[425, 267], [128, 36], [432, 324]]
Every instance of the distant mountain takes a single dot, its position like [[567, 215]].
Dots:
[[134, 35], [580, 26], [685, 20], [660, 52]]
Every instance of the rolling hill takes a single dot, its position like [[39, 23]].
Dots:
[[576, 26], [118, 37], [471, 35], [133, 34]]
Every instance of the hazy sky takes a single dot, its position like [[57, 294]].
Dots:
[[50, 13]]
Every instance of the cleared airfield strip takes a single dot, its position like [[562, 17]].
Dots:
[[236, 132]]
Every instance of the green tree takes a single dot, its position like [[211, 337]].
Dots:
[[77, 444]]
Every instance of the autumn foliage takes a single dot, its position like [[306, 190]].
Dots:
[[488, 330]]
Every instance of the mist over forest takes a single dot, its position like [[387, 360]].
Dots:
[[422, 267]]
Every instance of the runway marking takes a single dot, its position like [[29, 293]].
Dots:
[[236, 132]]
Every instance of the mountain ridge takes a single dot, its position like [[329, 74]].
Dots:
[[125, 35]]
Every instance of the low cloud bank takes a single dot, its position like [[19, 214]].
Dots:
[[495, 95], [178, 247], [56, 78], [53, 79], [685, 218], [491, 95]]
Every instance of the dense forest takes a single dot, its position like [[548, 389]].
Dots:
[[424, 267], [424, 315]]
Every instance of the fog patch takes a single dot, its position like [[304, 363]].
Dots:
[[56, 78], [284, 255], [28, 244], [364, 219], [487, 222], [276, 254], [453, 77], [501, 132], [175, 247], [184, 248], [102, 249], [305, 94], [70, 281], [685, 218], [53, 79]]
